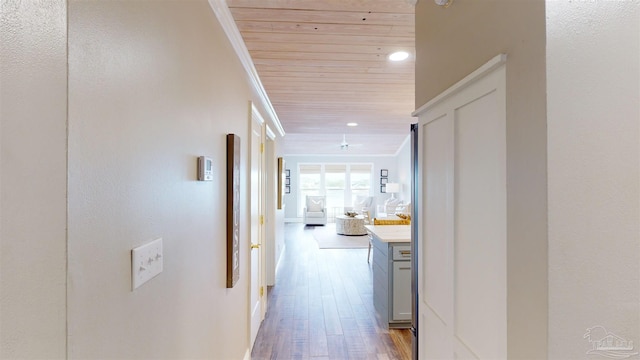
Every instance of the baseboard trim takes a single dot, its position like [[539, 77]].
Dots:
[[247, 355]]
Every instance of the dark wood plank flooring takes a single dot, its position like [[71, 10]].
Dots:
[[322, 306]]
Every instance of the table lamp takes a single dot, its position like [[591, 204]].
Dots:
[[393, 188]]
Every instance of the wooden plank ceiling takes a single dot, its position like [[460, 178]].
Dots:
[[324, 63]]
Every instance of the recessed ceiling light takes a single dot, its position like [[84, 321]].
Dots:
[[398, 56], [352, 124]]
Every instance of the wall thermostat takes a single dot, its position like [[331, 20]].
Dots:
[[205, 168]]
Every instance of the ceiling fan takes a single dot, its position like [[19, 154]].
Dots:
[[345, 145]]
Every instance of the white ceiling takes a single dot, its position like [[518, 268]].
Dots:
[[323, 63]]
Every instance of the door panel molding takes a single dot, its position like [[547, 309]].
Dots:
[[462, 280]]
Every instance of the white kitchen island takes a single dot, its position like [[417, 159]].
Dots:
[[392, 274]]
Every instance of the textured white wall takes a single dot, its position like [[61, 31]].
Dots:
[[153, 85], [593, 115], [33, 175]]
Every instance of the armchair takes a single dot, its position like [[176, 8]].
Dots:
[[365, 203], [315, 211], [404, 209], [390, 205]]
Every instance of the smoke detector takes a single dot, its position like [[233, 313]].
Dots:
[[444, 3]]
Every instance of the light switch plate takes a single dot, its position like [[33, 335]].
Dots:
[[146, 263]]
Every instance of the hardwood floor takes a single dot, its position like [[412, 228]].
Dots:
[[322, 307]]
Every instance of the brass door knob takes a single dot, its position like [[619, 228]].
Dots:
[[255, 246]]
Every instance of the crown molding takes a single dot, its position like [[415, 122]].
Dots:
[[270, 134], [225, 18]]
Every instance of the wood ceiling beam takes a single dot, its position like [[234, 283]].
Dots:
[[326, 17], [384, 6], [350, 77], [298, 55], [324, 48], [381, 64], [400, 41], [269, 27], [336, 70], [386, 90]]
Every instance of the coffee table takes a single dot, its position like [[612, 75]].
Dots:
[[347, 225]]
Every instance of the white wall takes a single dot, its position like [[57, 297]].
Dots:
[[91, 170], [153, 85], [379, 162], [594, 236], [403, 161], [33, 176]]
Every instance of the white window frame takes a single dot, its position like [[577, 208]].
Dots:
[[348, 197]]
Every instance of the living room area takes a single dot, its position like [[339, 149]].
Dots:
[[377, 183]]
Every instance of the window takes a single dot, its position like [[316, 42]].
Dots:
[[360, 181], [334, 185], [340, 183], [310, 183]]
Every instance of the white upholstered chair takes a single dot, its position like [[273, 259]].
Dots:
[[363, 203], [403, 209], [390, 205], [315, 211]]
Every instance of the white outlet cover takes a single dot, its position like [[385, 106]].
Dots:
[[146, 263]]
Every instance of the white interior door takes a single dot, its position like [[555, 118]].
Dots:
[[257, 303], [270, 185], [462, 285]]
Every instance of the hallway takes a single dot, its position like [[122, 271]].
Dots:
[[322, 306]]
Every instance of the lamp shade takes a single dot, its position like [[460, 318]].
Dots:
[[393, 188]]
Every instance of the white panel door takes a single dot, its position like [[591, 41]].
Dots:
[[257, 302], [462, 281]]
